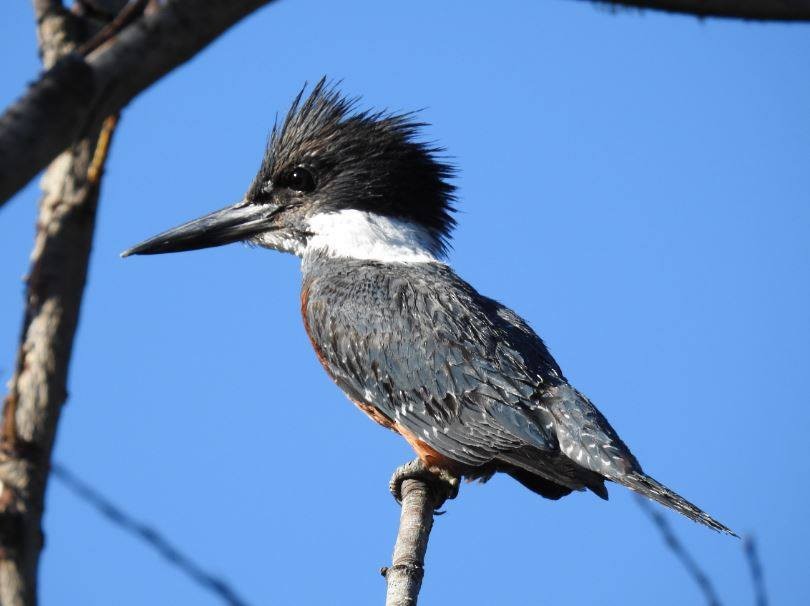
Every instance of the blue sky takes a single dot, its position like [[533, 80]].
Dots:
[[635, 185]]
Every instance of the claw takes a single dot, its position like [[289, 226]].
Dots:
[[442, 484]]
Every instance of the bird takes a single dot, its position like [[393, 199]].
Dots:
[[368, 206]]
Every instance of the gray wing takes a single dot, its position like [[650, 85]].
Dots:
[[459, 371]]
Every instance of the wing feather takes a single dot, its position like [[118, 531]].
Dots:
[[457, 370]]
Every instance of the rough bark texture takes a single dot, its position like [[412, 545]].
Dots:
[[404, 576], [75, 95], [761, 10], [54, 289], [57, 30], [38, 388]]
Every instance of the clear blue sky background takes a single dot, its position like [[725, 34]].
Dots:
[[636, 185]]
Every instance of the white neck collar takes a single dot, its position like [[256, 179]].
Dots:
[[358, 234]]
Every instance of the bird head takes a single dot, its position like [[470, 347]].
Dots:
[[335, 181]]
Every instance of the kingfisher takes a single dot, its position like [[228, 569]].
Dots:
[[367, 205]]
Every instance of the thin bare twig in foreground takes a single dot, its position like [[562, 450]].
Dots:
[[755, 566], [695, 571], [149, 535]]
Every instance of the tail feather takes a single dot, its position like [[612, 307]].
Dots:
[[652, 489]]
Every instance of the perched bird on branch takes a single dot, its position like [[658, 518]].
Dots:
[[369, 209]]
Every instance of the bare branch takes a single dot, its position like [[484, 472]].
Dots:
[[149, 535], [38, 388], [73, 98], [405, 574], [692, 567], [760, 10], [53, 297], [420, 490]]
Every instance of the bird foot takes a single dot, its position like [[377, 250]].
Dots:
[[442, 484]]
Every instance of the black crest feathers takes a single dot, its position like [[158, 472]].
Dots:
[[364, 160]]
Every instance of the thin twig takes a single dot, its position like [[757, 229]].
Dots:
[[692, 567], [149, 535], [755, 567], [404, 576], [99, 159], [130, 12]]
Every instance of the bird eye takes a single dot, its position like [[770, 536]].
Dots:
[[300, 179]]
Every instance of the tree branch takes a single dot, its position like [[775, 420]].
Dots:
[[55, 284], [761, 10], [38, 388], [74, 96], [404, 576]]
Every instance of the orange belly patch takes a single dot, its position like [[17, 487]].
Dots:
[[375, 414], [429, 456]]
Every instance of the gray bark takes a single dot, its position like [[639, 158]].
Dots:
[[404, 576], [55, 283], [38, 388]]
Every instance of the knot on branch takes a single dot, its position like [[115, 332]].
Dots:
[[415, 570]]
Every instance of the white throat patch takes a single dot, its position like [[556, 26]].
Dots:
[[363, 235]]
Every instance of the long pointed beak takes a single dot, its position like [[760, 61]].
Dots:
[[231, 224]]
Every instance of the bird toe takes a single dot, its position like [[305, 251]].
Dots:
[[442, 484]]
